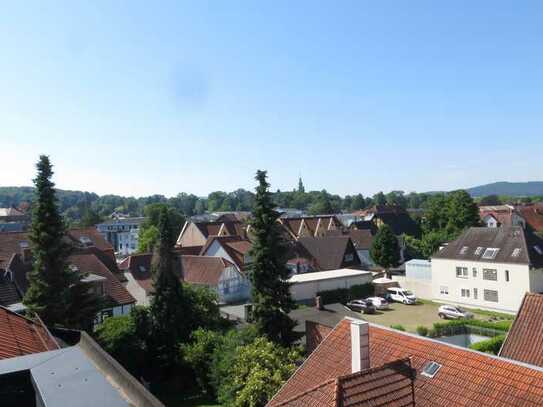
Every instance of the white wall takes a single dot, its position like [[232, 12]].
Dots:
[[308, 290], [421, 288], [136, 290], [215, 249], [510, 293]]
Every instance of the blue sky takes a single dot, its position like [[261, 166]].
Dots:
[[137, 98]]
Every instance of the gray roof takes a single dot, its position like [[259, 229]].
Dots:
[[66, 377], [516, 246]]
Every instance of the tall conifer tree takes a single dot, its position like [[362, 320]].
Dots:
[[49, 281], [169, 324], [55, 292], [270, 291]]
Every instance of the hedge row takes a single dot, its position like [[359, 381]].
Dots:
[[492, 345], [457, 326], [343, 295]]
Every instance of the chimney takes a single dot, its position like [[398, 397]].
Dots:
[[26, 255], [360, 346]]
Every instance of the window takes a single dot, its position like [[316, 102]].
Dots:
[[464, 249], [478, 250], [475, 294], [490, 274], [491, 295], [348, 257], [506, 275], [474, 270], [464, 292], [462, 272], [490, 253], [430, 369], [444, 290], [516, 252]]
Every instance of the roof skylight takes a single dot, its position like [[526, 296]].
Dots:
[[464, 249], [516, 252], [538, 249], [490, 253], [479, 250], [430, 369]]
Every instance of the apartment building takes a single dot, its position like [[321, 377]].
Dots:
[[489, 268]]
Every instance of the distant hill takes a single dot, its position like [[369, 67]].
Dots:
[[531, 188]]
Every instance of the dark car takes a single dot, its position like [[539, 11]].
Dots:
[[363, 306]]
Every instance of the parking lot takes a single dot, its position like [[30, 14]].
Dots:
[[409, 316]]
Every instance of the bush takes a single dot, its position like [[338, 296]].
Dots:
[[343, 295], [422, 330], [492, 345], [398, 327], [460, 325]]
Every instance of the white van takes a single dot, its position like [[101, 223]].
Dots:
[[401, 295]]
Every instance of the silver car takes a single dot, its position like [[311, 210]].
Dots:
[[453, 312]]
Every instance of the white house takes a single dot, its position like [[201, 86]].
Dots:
[[122, 233], [215, 273], [489, 268]]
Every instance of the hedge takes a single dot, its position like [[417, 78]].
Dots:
[[492, 345], [343, 295], [460, 325]]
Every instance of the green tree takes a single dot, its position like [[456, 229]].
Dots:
[[270, 291], [118, 336], [490, 200], [147, 239], [149, 234], [462, 211], [168, 305], [379, 199], [259, 370], [55, 292], [358, 202], [385, 250], [90, 218], [322, 205]]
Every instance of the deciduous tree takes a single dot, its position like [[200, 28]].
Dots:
[[385, 250]]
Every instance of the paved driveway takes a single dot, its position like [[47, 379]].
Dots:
[[409, 316]]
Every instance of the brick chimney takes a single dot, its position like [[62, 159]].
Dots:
[[360, 346]]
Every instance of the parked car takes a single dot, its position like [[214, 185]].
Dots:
[[363, 306], [401, 295], [453, 312], [378, 302]]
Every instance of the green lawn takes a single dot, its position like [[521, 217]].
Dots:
[[423, 313]]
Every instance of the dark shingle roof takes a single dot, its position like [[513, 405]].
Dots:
[[506, 239], [328, 252]]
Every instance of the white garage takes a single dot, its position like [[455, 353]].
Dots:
[[304, 287]]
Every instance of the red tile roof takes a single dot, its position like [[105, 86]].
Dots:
[[533, 214], [466, 378], [387, 385], [96, 238], [22, 336], [204, 270], [524, 341], [236, 247], [90, 263]]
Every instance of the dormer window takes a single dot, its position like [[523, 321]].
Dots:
[[490, 253], [85, 241]]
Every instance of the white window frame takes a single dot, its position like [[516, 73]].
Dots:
[[462, 272], [490, 279], [490, 253], [444, 290], [465, 292]]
